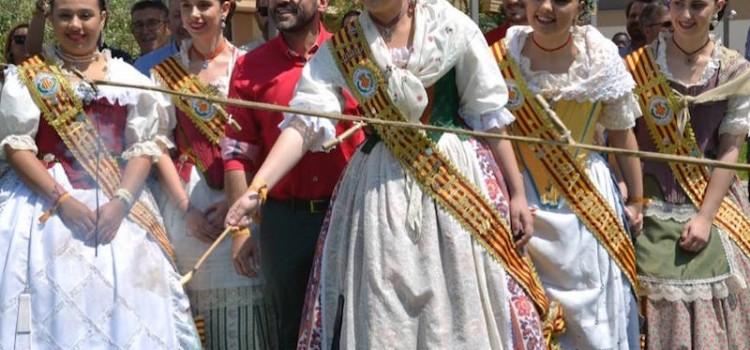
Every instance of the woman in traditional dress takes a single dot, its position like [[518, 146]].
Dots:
[[191, 188], [85, 259], [581, 244], [409, 259], [693, 251]]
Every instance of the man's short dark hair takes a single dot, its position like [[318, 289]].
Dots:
[[150, 4], [630, 5]]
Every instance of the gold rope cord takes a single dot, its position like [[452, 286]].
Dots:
[[436, 174], [65, 113], [660, 107], [566, 171]]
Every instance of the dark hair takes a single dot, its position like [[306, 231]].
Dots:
[[102, 4], [232, 7], [651, 11], [620, 34], [350, 13], [9, 41], [720, 14], [150, 4], [631, 3]]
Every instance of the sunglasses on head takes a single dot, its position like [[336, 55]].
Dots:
[[19, 39], [663, 25]]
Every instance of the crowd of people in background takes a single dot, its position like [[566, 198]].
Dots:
[[387, 238]]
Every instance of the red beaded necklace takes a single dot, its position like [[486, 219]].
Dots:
[[208, 58], [570, 38]]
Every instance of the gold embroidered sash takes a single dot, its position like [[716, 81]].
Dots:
[[64, 112], [564, 167], [435, 173], [209, 118], [660, 113]]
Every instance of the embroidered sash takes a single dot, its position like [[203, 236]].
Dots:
[[211, 119], [565, 167], [435, 173], [208, 118], [660, 108], [64, 112]]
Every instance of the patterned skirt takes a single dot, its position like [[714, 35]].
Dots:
[[465, 302]]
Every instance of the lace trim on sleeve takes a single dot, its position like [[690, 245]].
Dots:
[[621, 113], [315, 131], [491, 120], [18, 142], [737, 119], [143, 149], [164, 142]]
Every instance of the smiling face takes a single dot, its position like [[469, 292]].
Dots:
[[18, 45], [77, 25], [202, 18], [516, 11], [293, 16], [552, 17], [692, 18], [150, 28]]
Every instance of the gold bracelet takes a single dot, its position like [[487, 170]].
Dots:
[[259, 187], [638, 200], [244, 232], [53, 209]]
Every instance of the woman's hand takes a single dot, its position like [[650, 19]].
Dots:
[[634, 213], [110, 219], [216, 214], [200, 227], [246, 255], [77, 216], [243, 210], [696, 233], [521, 220]]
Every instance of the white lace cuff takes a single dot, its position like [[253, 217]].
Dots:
[[737, 119], [18, 142], [620, 113], [163, 141], [495, 119], [315, 131], [143, 149]]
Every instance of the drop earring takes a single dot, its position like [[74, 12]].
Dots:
[[714, 21]]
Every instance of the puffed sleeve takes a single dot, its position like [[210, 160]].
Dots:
[[167, 119], [19, 115], [142, 126], [481, 86], [620, 113], [737, 119], [319, 89]]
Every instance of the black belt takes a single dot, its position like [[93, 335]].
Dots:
[[315, 206]]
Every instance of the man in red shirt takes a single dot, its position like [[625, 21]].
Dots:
[[515, 14], [296, 206]]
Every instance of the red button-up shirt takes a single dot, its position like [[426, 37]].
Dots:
[[497, 34], [269, 74]]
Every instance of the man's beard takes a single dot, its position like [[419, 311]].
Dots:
[[301, 19]]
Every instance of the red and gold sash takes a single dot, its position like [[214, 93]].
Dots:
[[435, 173], [564, 167], [211, 119], [64, 112], [660, 106]]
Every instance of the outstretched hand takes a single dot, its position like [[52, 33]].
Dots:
[[241, 213]]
